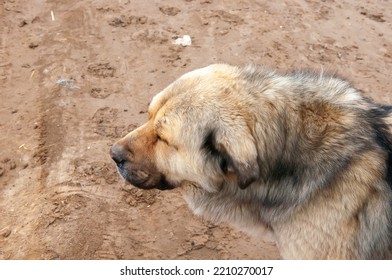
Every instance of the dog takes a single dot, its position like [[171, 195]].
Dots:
[[301, 155]]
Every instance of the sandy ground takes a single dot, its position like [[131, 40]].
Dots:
[[77, 75]]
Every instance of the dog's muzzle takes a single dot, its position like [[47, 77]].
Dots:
[[139, 172]]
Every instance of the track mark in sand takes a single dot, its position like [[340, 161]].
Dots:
[[136, 197], [85, 219], [89, 191], [226, 17], [63, 206], [221, 22], [101, 70], [7, 165], [150, 37], [116, 239], [105, 119], [109, 250], [100, 93], [377, 16], [124, 21], [105, 114], [141, 31], [174, 58], [96, 172], [169, 11], [51, 133]]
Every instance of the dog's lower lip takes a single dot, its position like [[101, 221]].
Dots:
[[139, 182], [165, 187], [120, 165]]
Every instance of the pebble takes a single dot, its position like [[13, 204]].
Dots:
[[22, 23], [5, 232], [12, 164], [33, 45]]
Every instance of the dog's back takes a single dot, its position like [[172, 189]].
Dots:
[[388, 139], [356, 202], [388, 145], [326, 188], [375, 239]]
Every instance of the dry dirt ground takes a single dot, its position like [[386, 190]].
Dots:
[[77, 75]]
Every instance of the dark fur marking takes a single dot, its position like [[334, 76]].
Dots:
[[209, 147], [245, 174], [383, 136], [283, 170], [272, 201], [208, 144], [386, 108]]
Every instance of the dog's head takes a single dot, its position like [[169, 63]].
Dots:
[[199, 130]]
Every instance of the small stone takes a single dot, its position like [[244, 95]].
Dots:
[[33, 45], [12, 165], [5, 232], [22, 23]]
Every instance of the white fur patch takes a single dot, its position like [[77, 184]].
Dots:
[[198, 72]]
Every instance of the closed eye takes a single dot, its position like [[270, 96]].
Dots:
[[162, 139], [159, 138]]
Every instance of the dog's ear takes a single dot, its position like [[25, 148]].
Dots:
[[237, 152]]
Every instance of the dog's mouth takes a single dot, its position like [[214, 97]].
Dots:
[[141, 176], [142, 179], [164, 185], [148, 184]]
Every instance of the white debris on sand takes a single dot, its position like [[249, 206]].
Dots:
[[183, 41], [69, 84]]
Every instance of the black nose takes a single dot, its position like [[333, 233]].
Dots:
[[117, 152]]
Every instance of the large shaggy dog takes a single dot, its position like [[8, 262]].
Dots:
[[302, 155]]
